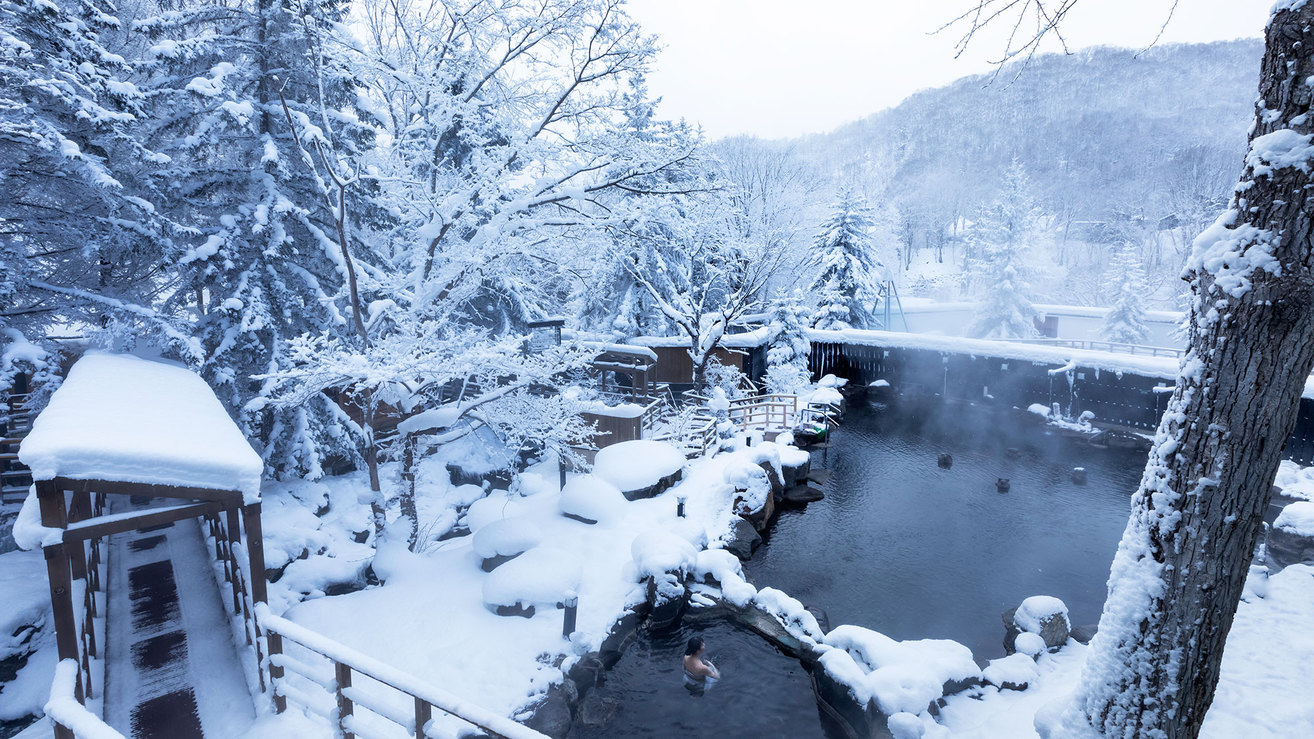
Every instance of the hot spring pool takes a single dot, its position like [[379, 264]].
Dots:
[[914, 551]]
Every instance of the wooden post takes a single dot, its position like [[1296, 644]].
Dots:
[[343, 674], [79, 510], [230, 562], [275, 671], [423, 714]]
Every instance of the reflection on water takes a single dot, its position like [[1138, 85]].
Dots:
[[915, 551], [762, 693]]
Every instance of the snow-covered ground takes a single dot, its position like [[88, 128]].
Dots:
[[432, 617], [1263, 691]]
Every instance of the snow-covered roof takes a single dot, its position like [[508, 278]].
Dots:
[[124, 419]]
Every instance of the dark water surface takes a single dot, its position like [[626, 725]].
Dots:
[[914, 551], [762, 692], [898, 545]]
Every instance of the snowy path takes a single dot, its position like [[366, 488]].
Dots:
[[172, 668]]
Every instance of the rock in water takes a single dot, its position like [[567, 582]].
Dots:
[[1002, 485], [1079, 475], [945, 461]]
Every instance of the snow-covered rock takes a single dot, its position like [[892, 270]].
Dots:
[[1291, 537], [1044, 615], [591, 499], [1032, 645], [506, 537], [542, 576], [1014, 672], [658, 552], [639, 468], [724, 568]]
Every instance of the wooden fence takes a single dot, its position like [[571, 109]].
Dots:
[[338, 678]]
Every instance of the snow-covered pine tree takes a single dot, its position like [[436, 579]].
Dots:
[[787, 347], [264, 263], [848, 274], [80, 240], [997, 241], [1125, 322]]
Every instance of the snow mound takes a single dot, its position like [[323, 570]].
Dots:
[[1295, 481], [507, 537], [791, 613], [725, 568], [589, 497], [634, 465], [122, 418], [1035, 610], [1016, 670], [879, 383], [1029, 644], [898, 676], [826, 396], [540, 576], [495, 506], [657, 552], [904, 725], [1040, 409], [1297, 518], [832, 381], [746, 476]]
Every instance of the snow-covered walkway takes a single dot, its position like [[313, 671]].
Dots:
[[172, 669]]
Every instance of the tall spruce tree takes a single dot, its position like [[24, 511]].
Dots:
[[253, 102], [1125, 322], [848, 274], [81, 242], [997, 242]]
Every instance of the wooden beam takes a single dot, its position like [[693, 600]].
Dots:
[[93, 528], [255, 548], [153, 491]]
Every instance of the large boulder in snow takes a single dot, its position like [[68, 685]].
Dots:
[[540, 577], [1291, 537], [1040, 614], [640, 468], [590, 499], [743, 539], [754, 486], [504, 539], [664, 560]]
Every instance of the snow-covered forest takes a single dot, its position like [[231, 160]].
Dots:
[[511, 371]]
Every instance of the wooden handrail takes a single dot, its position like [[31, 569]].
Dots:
[[347, 661]]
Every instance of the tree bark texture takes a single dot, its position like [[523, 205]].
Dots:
[[1183, 560]]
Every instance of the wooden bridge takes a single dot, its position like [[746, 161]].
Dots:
[[139, 458]]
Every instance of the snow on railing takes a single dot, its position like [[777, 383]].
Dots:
[[347, 661], [1106, 346], [67, 711]]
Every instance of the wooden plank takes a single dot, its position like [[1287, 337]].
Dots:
[[153, 491], [92, 528]]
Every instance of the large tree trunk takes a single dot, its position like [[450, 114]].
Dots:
[[1183, 560]]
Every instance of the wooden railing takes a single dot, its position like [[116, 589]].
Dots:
[[337, 678], [1105, 346], [765, 411], [230, 553]]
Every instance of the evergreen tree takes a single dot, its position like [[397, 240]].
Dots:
[[787, 348], [997, 241], [80, 240], [253, 102], [849, 276], [1125, 322]]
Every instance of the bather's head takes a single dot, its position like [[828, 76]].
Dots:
[[695, 646]]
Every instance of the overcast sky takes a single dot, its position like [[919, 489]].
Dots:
[[777, 68]]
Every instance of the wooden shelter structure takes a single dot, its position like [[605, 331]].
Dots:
[[151, 440], [624, 370]]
